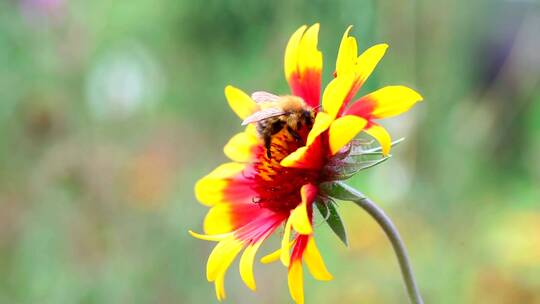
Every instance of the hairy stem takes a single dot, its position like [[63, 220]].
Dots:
[[348, 193]]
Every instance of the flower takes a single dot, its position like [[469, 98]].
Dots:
[[255, 194]]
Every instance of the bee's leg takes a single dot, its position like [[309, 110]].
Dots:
[[267, 145], [294, 133], [275, 127]]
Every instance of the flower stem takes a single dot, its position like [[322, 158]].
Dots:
[[391, 232]]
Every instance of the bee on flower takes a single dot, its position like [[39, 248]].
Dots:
[[292, 144]]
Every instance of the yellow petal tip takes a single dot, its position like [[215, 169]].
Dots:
[[209, 237], [240, 102], [272, 257], [196, 235]]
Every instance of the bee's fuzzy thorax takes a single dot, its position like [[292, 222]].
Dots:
[[292, 103]]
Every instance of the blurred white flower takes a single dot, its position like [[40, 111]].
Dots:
[[123, 81]]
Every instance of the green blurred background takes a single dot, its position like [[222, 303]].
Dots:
[[111, 110]]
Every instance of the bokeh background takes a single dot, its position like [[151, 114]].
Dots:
[[111, 110]]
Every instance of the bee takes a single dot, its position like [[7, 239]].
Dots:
[[277, 113]]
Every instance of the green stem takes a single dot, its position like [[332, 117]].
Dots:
[[346, 192]]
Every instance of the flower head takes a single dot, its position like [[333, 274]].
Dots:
[[280, 160]]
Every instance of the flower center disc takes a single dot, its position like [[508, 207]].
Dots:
[[278, 186]]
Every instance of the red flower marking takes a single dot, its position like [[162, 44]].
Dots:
[[307, 85]]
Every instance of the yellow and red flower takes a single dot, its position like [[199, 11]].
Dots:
[[254, 195]]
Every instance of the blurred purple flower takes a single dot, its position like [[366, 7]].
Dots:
[[38, 11]]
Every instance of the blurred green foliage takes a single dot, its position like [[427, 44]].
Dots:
[[111, 110]]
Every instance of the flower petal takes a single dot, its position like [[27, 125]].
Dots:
[[276, 255], [291, 52], [240, 102], [240, 147], [393, 100], [360, 67], [315, 263], [272, 257], [308, 55], [299, 216], [303, 65], [246, 264], [205, 237], [300, 219], [367, 61], [336, 92], [221, 257], [296, 281], [343, 130], [209, 189], [382, 136], [219, 220], [348, 50], [307, 157], [294, 158], [285, 254], [219, 284], [258, 225], [322, 122], [243, 218], [386, 102]]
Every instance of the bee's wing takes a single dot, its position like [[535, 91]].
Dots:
[[262, 114], [262, 96]]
